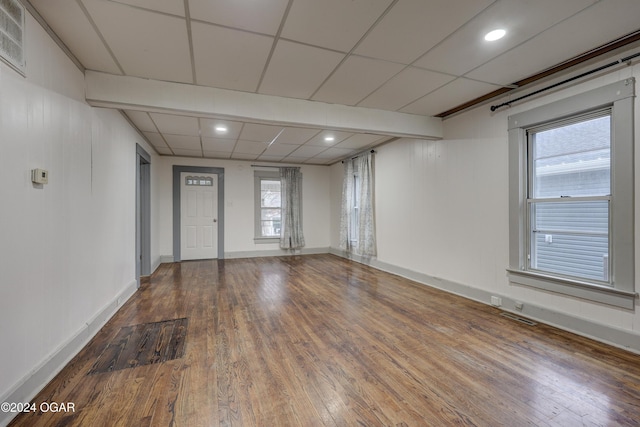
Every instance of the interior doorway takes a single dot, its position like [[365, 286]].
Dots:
[[143, 213]]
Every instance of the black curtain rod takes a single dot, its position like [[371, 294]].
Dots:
[[595, 70], [358, 155]]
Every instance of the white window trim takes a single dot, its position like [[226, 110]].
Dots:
[[258, 175], [619, 96]]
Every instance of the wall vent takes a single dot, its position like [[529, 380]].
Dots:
[[518, 319], [12, 34]]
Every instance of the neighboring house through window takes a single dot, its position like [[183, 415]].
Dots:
[[571, 196]]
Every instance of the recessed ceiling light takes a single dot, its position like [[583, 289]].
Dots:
[[329, 138], [221, 129], [495, 35]]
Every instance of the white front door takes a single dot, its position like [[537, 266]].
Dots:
[[198, 216]]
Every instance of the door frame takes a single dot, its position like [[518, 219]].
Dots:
[[143, 213], [177, 170]]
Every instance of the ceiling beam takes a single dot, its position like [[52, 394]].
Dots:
[[133, 93]]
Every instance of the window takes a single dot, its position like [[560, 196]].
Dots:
[[12, 34], [268, 204], [198, 180], [571, 196]]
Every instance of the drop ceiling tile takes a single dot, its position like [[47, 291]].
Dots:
[[466, 49], [165, 151], [280, 149], [337, 136], [217, 154], [155, 139], [335, 153], [449, 96], [356, 78], [243, 156], [266, 158], [208, 128], [177, 125], [295, 160], [81, 37], [260, 133], [187, 153], [249, 147], [576, 35], [257, 16], [146, 44], [412, 27], [218, 144], [141, 120], [297, 70], [404, 88], [171, 7], [306, 151], [228, 58], [182, 142], [296, 136], [333, 24], [360, 140]]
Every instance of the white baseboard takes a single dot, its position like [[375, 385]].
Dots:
[[625, 339], [31, 384]]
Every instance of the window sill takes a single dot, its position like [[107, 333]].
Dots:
[[589, 291], [265, 240]]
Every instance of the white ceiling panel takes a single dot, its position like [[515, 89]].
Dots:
[[296, 136], [557, 47], [165, 151], [80, 37], [208, 128], [185, 142], [413, 27], [229, 58], [187, 153], [449, 96], [280, 149], [142, 121], [356, 78], [177, 125], [337, 136], [171, 7], [156, 140], [466, 49], [359, 141], [335, 153], [266, 158], [260, 133], [333, 24], [250, 147], [217, 154], [244, 156], [306, 151], [159, 49], [257, 16], [218, 144], [297, 70], [404, 88]]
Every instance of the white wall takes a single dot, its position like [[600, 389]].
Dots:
[[67, 247], [239, 207], [442, 212]]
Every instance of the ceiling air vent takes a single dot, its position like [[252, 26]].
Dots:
[[12, 34]]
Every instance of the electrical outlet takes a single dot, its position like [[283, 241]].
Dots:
[[496, 301], [519, 305]]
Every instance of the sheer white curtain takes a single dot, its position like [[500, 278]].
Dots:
[[291, 236], [357, 224]]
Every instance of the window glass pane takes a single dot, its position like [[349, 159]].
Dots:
[[270, 222], [571, 238], [573, 160], [270, 193]]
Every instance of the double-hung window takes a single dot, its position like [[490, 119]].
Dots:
[[268, 215], [571, 196]]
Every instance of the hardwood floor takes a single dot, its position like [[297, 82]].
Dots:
[[320, 341]]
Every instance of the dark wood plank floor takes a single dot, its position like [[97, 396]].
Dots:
[[321, 341]]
